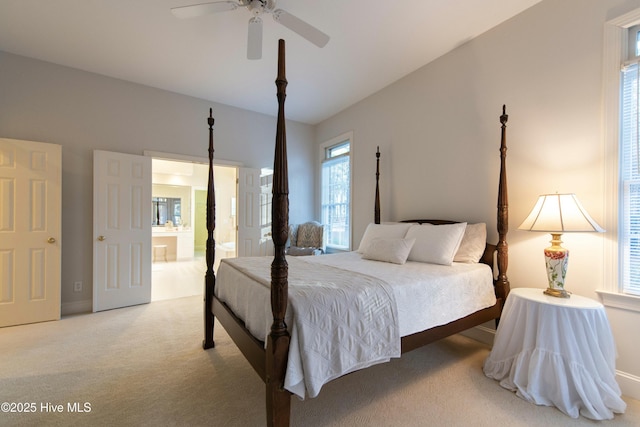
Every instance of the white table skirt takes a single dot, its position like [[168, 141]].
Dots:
[[557, 352]]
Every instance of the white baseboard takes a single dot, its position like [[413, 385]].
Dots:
[[76, 307], [481, 333], [629, 384]]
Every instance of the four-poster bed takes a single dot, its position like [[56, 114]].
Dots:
[[275, 350]]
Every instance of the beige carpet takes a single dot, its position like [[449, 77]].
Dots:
[[144, 366]]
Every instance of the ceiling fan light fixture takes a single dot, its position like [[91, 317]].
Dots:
[[256, 8]]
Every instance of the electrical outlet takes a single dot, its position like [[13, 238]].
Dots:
[[77, 287]]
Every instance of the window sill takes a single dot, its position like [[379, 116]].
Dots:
[[617, 300]]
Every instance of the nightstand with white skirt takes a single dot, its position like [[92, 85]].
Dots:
[[557, 352]]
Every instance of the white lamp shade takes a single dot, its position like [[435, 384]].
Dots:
[[559, 213]]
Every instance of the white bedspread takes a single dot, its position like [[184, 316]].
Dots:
[[426, 295], [342, 321]]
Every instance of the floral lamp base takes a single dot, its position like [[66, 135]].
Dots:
[[556, 259]]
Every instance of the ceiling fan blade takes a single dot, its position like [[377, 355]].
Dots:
[[297, 25], [254, 38], [203, 9]]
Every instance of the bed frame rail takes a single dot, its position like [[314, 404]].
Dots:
[[251, 347], [419, 339]]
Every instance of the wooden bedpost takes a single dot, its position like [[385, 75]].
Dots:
[[210, 278], [279, 399], [502, 284], [376, 209]]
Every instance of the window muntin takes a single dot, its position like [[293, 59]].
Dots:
[[338, 150]]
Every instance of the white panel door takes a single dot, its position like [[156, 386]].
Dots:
[[30, 225], [121, 230], [249, 231]]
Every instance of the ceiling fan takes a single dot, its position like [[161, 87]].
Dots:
[[257, 8]]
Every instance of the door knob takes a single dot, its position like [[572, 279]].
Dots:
[[51, 240], [101, 238]]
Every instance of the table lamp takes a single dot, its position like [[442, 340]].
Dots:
[[557, 214]]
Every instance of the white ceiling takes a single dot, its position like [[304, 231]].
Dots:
[[373, 43]]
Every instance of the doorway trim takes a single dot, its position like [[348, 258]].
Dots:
[[199, 162], [185, 158]]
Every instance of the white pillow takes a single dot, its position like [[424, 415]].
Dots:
[[436, 244], [393, 249], [373, 231], [473, 243]]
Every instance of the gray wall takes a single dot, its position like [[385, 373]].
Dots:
[[438, 130], [83, 112]]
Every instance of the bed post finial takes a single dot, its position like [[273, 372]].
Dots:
[[502, 284], [210, 278], [376, 209], [278, 399]]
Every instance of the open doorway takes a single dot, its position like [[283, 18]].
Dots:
[[179, 232]]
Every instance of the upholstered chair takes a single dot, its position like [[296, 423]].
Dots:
[[306, 239]]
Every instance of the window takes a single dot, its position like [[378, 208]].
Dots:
[[617, 41], [629, 169], [266, 201], [336, 192]]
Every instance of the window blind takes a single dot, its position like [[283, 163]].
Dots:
[[630, 180]]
